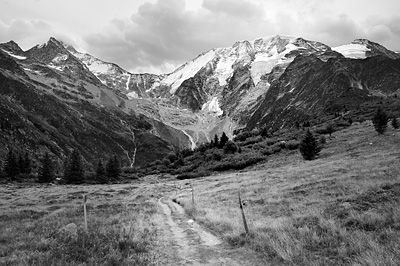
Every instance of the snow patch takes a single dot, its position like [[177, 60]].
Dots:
[[13, 55], [59, 58], [56, 67], [188, 70], [192, 142], [132, 95], [352, 50], [129, 80], [224, 69], [212, 107]]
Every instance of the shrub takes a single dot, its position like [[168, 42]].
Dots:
[[380, 121], [171, 157], [292, 145], [309, 146], [276, 148], [282, 144], [330, 128], [230, 147], [251, 140], [322, 140], [267, 151], [238, 162], [395, 123], [243, 136], [214, 155]]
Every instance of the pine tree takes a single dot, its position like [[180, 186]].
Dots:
[[113, 168], [46, 173], [101, 175], [11, 169], [380, 121], [216, 141], [27, 164], [395, 123], [224, 139], [309, 146], [330, 128], [74, 173], [21, 164]]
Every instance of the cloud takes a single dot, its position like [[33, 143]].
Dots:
[[238, 8], [164, 34], [25, 32]]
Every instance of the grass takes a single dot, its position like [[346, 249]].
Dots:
[[123, 226], [341, 209]]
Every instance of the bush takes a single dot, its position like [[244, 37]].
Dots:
[[230, 147], [243, 136], [251, 140], [276, 148], [267, 151], [214, 155], [380, 121], [309, 146], [395, 123], [292, 145], [322, 140], [238, 162]]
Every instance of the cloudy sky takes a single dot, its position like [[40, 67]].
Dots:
[[156, 36]]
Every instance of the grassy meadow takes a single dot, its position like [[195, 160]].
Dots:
[[340, 209], [124, 225]]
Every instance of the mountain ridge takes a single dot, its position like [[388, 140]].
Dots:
[[267, 82]]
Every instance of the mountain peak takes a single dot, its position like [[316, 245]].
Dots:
[[12, 47]]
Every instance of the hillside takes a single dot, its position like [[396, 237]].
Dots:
[[340, 209], [67, 100]]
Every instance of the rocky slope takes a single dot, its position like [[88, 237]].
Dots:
[[50, 101], [273, 81]]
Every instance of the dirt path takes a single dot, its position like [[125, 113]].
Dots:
[[195, 246]]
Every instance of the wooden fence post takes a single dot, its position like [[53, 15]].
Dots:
[[84, 211], [246, 228], [192, 194]]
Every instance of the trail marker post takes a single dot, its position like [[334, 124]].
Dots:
[[84, 211], [246, 228], [192, 194]]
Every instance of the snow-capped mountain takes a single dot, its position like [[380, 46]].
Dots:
[[362, 48], [271, 81]]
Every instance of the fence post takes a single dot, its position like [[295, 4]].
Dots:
[[84, 211], [246, 228], [192, 194]]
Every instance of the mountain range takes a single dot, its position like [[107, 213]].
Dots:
[[54, 98]]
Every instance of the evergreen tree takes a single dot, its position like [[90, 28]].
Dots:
[[27, 164], [101, 175], [309, 146], [264, 132], [113, 168], [230, 147], [21, 164], [224, 139], [380, 121], [330, 129], [74, 173], [11, 169], [216, 141], [46, 174], [395, 123]]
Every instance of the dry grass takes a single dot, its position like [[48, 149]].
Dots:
[[123, 225], [341, 209]]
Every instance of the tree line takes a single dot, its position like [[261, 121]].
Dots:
[[17, 166]]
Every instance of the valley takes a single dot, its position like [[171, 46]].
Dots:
[[340, 209]]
